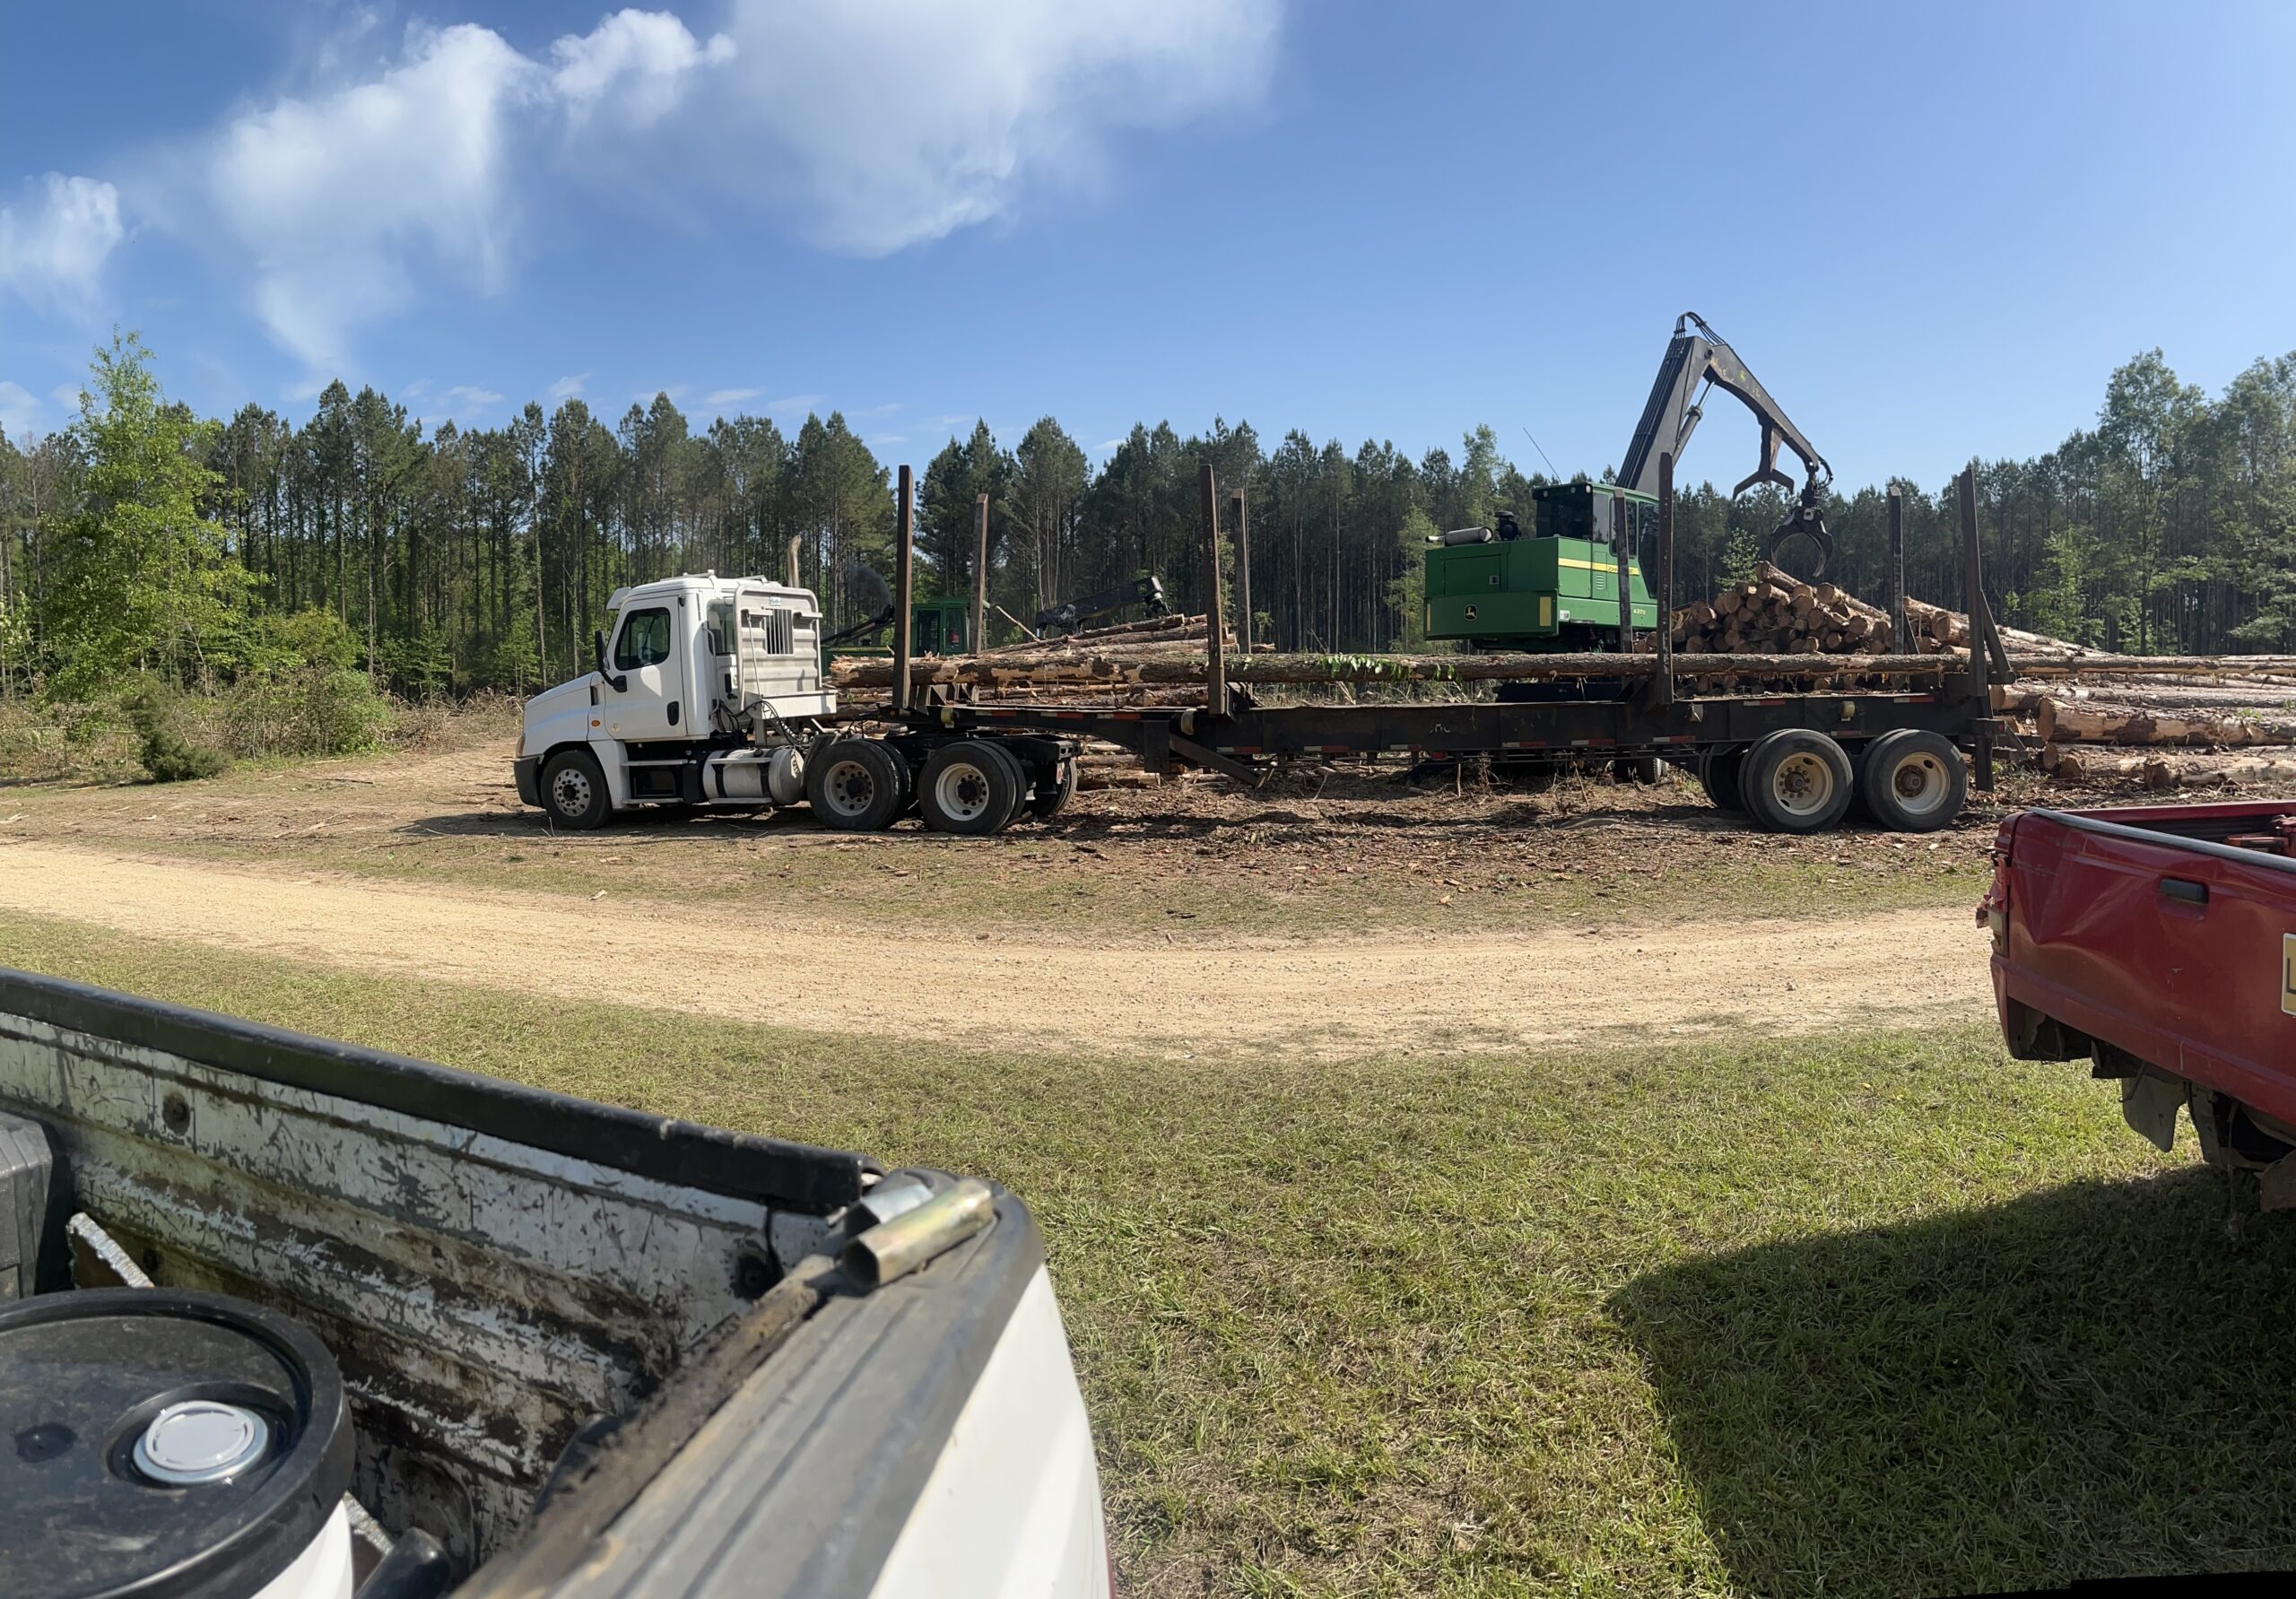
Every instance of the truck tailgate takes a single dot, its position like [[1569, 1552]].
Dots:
[[2174, 948]]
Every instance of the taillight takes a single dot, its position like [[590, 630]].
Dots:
[[1993, 910]]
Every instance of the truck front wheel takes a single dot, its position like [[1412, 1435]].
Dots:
[[856, 786], [574, 790], [970, 788], [1795, 781]]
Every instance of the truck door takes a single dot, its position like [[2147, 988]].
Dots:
[[648, 659]]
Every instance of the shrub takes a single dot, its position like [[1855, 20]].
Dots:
[[175, 746], [309, 709]]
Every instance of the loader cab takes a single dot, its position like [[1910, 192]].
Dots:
[[1551, 586], [939, 627]]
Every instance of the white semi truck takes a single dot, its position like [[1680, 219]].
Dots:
[[711, 691], [291, 1319]]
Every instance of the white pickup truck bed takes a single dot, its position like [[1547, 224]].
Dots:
[[590, 1352]]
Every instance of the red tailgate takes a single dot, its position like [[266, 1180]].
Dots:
[[2174, 949]]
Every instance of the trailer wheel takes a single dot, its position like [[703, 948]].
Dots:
[[904, 779], [1056, 786], [856, 786], [1718, 774], [574, 790], [1020, 781], [970, 787], [1795, 781], [1912, 781]]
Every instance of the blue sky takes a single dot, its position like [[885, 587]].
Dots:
[[1932, 230]]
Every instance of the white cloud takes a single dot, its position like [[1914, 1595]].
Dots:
[[735, 397], [19, 413], [788, 404], [567, 387], [635, 62], [343, 200], [53, 248], [876, 123], [338, 200], [904, 120], [464, 397]]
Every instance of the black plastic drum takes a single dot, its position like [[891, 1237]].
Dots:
[[163, 1444]]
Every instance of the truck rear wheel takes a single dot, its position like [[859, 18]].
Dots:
[[1718, 774], [970, 788], [857, 786], [574, 790], [1795, 781], [1912, 781], [1056, 786]]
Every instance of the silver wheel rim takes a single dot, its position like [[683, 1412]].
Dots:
[[570, 791], [961, 791], [849, 787], [1921, 784], [1803, 785]]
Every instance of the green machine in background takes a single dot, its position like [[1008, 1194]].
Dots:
[[1552, 588], [936, 627]]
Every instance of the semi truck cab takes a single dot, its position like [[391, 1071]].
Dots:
[[711, 691], [705, 691]]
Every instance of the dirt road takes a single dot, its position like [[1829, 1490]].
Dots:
[[1329, 999]]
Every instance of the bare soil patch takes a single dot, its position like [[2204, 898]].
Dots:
[[1344, 997]]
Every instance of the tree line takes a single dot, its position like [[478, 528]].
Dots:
[[457, 559]]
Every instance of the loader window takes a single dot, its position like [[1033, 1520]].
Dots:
[[645, 640]]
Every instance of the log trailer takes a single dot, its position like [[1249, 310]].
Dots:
[[712, 690]]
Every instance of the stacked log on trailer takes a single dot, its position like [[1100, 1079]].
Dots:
[[1777, 613], [2081, 712], [1771, 613]]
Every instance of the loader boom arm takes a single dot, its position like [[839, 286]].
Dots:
[[1696, 356]]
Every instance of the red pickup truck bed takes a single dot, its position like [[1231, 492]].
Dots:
[[2159, 940]]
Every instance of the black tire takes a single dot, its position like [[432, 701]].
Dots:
[[906, 774], [857, 786], [1020, 782], [1912, 781], [970, 788], [1056, 786], [1718, 774], [574, 791], [1795, 781]]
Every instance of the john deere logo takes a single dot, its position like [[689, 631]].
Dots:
[[1469, 612]]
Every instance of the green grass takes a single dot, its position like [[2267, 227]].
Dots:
[[1874, 1316]]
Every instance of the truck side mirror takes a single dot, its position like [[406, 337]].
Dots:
[[616, 681]]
